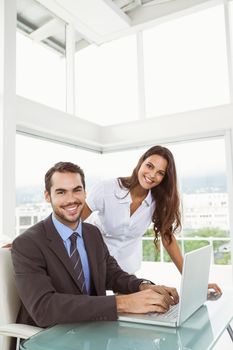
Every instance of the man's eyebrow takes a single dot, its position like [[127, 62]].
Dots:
[[78, 187], [73, 189], [59, 189]]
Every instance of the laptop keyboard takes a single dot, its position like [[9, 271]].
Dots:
[[171, 314]]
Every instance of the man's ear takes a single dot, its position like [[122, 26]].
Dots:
[[47, 196]]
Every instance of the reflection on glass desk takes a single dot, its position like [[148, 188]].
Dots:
[[199, 332]]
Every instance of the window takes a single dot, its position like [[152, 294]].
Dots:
[[106, 82], [25, 220], [203, 191], [31, 167], [203, 188], [185, 63], [202, 181], [21, 231], [40, 73]]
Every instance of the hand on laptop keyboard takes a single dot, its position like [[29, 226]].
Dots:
[[144, 301], [168, 292]]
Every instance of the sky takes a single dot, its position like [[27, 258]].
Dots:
[[34, 157]]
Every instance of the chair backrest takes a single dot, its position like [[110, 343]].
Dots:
[[9, 300]]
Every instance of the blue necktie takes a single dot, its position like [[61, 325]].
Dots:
[[76, 262]]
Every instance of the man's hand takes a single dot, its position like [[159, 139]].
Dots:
[[171, 294], [143, 302]]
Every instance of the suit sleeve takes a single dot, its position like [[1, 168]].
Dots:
[[44, 304]]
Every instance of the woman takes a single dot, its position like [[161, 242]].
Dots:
[[126, 206]]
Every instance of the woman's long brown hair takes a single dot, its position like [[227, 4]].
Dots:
[[166, 216]]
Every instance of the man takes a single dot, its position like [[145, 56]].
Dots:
[[63, 280]]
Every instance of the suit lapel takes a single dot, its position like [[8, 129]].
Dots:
[[56, 244]]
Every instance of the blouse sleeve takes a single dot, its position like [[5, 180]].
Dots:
[[95, 197]]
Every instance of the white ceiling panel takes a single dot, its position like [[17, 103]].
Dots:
[[93, 18], [95, 21]]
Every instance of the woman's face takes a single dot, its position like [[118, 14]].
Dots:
[[152, 171]]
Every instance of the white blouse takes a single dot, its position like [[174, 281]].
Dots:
[[121, 232]]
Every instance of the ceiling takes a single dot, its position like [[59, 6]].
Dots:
[[94, 21]]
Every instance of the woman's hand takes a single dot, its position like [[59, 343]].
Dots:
[[215, 287]]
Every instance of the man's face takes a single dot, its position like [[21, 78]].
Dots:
[[67, 197]]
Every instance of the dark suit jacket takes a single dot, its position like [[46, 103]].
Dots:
[[46, 283]]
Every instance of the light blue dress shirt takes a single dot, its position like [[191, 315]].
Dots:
[[65, 232]]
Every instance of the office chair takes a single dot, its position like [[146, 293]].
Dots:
[[9, 305]]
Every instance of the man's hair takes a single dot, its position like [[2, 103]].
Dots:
[[63, 167]]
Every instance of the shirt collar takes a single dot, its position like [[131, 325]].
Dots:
[[64, 231], [124, 196]]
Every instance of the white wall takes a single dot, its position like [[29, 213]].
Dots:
[[47, 122], [7, 115], [43, 121], [176, 127]]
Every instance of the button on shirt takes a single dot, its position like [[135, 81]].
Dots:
[[65, 232], [121, 232]]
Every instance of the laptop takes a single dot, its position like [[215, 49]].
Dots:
[[193, 292]]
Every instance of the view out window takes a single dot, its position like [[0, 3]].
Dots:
[[185, 63], [40, 73], [204, 198], [25, 220], [31, 169], [106, 82], [201, 177]]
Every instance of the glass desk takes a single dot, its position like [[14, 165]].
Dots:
[[200, 332]]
